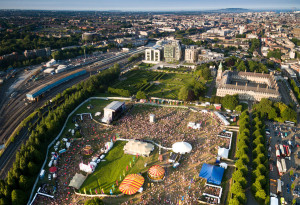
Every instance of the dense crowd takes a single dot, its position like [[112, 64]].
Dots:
[[180, 185]]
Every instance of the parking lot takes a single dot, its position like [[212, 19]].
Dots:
[[288, 137]]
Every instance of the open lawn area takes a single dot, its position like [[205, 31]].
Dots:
[[156, 84], [109, 171]]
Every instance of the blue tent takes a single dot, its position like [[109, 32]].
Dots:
[[213, 174]]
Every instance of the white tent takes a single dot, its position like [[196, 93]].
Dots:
[[77, 181], [182, 147], [223, 152], [223, 165]]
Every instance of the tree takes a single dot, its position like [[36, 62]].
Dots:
[[94, 201], [239, 108], [230, 101], [261, 195], [18, 197], [140, 95], [234, 201], [289, 114], [242, 66], [238, 176], [183, 93], [206, 73]]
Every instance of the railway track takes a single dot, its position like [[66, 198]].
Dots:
[[14, 115]]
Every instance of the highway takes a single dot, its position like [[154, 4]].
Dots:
[[16, 108]]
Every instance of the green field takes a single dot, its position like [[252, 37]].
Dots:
[[167, 85], [109, 171]]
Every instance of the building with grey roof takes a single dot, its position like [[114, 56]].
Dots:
[[248, 85]]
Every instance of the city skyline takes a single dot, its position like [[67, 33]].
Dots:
[[155, 5]]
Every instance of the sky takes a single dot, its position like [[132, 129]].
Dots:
[[147, 5]]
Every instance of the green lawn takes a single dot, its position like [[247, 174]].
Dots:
[[168, 87], [109, 171]]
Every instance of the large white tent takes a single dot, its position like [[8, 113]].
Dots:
[[77, 181], [182, 147], [223, 152]]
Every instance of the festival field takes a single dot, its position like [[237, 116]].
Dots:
[[108, 172], [170, 127]]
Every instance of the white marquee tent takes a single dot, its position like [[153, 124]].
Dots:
[[223, 152], [77, 181], [182, 147]]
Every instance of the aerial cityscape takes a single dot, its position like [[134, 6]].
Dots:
[[149, 103]]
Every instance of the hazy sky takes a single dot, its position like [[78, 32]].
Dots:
[[147, 5]]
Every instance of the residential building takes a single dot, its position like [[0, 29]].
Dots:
[[172, 51], [191, 54]]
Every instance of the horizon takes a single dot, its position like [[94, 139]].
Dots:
[[155, 5]]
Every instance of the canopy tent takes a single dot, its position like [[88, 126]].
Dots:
[[137, 147], [156, 172], [213, 174], [182, 147], [223, 152], [77, 181], [52, 169], [131, 184]]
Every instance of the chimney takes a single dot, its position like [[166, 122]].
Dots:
[[235, 83]]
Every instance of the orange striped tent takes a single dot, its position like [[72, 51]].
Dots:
[[156, 172], [131, 184]]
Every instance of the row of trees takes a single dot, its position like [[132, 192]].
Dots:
[[260, 173], [237, 189], [16, 188], [275, 111], [296, 89]]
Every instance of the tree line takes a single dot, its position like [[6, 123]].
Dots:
[[16, 188], [239, 181], [260, 174]]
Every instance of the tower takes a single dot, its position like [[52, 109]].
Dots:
[[220, 71]]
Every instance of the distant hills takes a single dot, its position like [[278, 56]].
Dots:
[[233, 10]]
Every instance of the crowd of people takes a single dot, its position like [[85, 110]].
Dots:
[[181, 185], [215, 191]]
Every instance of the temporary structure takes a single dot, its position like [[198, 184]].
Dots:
[[52, 169], [131, 184], [135, 147], [77, 181], [156, 173], [182, 147], [213, 174], [223, 152]]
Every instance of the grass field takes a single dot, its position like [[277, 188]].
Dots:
[[167, 85], [109, 171]]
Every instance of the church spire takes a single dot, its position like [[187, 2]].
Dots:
[[221, 66]]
